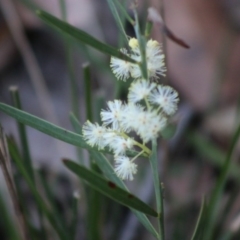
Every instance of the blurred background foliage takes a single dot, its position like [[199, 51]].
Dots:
[[49, 71]]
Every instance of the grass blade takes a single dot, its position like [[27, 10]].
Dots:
[[81, 36], [123, 11], [109, 188], [22, 133], [117, 19], [199, 228], [213, 203], [7, 222], [25, 152], [51, 218], [211, 152]]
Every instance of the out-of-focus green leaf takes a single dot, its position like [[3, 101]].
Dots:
[[108, 171], [22, 133], [158, 188], [198, 233], [169, 131], [123, 11], [211, 152], [7, 222], [109, 188], [213, 207], [81, 36], [42, 205], [142, 46], [117, 18]]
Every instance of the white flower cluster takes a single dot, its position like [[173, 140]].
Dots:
[[155, 61], [146, 113]]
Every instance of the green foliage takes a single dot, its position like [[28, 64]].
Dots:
[[109, 188], [81, 36], [100, 176]]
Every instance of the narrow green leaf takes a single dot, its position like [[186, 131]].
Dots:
[[211, 152], [49, 128], [25, 151], [198, 233], [169, 131], [75, 123], [77, 128], [122, 9], [51, 218], [7, 222], [142, 47], [22, 133], [158, 189], [109, 188], [50, 197], [44, 126], [117, 18], [108, 171], [216, 195], [88, 91], [81, 36], [74, 216]]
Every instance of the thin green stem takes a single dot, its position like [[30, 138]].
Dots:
[[142, 46], [147, 103], [162, 210], [94, 209], [124, 12], [148, 29], [158, 189], [74, 220], [142, 146], [214, 201], [63, 9], [139, 154], [145, 149], [22, 133], [117, 19], [87, 91], [5, 166], [74, 89], [26, 153]]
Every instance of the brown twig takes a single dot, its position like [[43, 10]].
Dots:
[[155, 17]]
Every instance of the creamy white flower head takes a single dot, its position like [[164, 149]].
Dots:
[[120, 145], [156, 66], [166, 97], [153, 50], [93, 134], [125, 168], [109, 136], [133, 44], [113, 115], [140, 90], [120, 68], [131, 110], [148, 125], [155, 59]]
